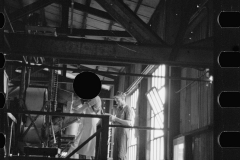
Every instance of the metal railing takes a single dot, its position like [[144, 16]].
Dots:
[[103, 131]]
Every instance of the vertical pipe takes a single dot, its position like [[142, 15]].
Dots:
[[48, 117], [21, 103], [28, 77]]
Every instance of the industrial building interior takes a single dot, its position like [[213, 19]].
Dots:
[[158, 52]]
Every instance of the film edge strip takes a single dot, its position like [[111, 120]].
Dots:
[[2, 96], [227, 98]]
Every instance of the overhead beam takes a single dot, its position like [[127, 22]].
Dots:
[[204, 43], [130, 21], [84, 21], [187, 8], [64, 30], [60, 80], [92, 32], [138, 6], [104, 51], [90, 10], [29, 9], [196, 21], [118, 73], [14, 57], [65, 12], [101, 74]]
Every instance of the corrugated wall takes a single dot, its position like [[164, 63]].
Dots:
[[196, 112], [195, 102], [203, 146]]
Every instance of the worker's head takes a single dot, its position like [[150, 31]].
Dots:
[[120, 98]]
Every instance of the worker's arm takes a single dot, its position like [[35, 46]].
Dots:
[[129, 118], [121, 121], [80, 108], [76, 103]]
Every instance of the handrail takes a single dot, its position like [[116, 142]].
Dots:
[[56, 114], [103, 130]]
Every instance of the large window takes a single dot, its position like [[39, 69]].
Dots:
[[132, 146], [157, 116]]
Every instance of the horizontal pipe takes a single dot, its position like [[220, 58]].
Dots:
[[56, 114], [108, 99], [116, 73], [137, 127]]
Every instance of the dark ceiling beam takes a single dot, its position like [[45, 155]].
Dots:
[[89, 62], [101, 74], [119, 73], [29, 9], [104, 51], [60, 80], [187, 9], [65, 11], [157, 21], [138, 6], [84, 21], [204, 43], [14, 57], [196, 21], [131, 22], [83, 32], [93, 11]]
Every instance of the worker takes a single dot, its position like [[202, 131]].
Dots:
[[124, 116], [88, 127]]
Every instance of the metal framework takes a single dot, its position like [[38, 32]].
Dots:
[[29, 9], [131, 22], [105, 51]]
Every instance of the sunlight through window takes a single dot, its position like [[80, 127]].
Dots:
[[156, 97]]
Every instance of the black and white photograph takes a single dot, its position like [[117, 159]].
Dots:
[[120, 80]]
